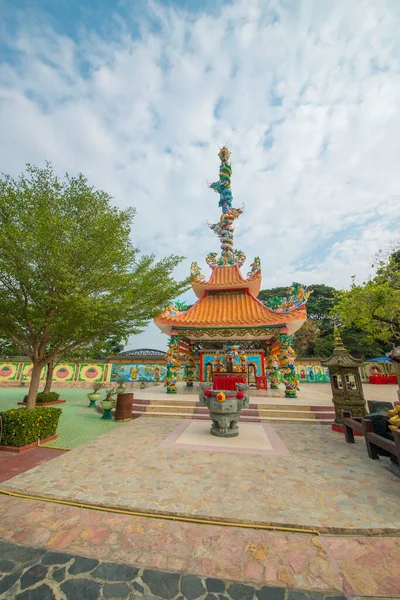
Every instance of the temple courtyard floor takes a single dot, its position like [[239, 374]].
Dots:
[[282, 512]]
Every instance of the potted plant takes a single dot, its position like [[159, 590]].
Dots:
[[94, 396], [108, 404], [142, 384], [23, 381], [121, 388]]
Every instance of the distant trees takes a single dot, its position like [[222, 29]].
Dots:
[[315, 337]]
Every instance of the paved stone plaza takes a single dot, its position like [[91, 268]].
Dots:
[[288, 474], [338, 566], [323, 483]]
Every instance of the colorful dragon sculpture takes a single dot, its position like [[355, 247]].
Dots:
[[255, 268], [195, 272], [287, 368], [190, 366], [224, 228], [297, 295], [172, 365], [273, 351]]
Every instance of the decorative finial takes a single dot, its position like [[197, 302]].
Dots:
[[339, 347], [224, 228]]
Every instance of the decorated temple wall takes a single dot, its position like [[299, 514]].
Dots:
[[140, 371], [64, 373], [15, 372]]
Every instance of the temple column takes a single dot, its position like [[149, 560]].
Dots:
[[286, 365], [172, 363], [190, 366], [272, 359]]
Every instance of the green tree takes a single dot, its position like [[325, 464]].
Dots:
[[69, 273], [374, 306], [305, 338]]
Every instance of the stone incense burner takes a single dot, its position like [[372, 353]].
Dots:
[[224, 407]]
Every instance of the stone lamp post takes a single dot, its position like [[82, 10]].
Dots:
[[344, 371]]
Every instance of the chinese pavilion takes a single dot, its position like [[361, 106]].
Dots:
[[254, 338]]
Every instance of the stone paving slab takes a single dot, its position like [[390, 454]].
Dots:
[[14, 464], [347, 565], [36, 574], [324, 483]]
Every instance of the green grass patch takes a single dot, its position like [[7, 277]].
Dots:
[[78, 424]]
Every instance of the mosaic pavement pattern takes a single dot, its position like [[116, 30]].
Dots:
[[353, 566], [324, 483], [36, 574]]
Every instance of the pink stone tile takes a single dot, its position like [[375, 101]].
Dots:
[[95, 535], [62, 539], [254, 571]]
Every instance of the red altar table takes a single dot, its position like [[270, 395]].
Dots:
[[227, 381], [261, 383], [382, 379]]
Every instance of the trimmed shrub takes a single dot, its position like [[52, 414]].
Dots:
[[22, 427], [42, 398]]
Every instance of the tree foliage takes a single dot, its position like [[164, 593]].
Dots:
[[374, 306], [69, 273], [315, 337]]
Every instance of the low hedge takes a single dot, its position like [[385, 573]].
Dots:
[[43, 397], [22, 427]]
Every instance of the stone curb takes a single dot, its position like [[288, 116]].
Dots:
[[30, 573]]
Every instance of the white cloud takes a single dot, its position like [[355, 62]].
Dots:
[[138, 116]]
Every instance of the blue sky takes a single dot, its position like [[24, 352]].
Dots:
[[139, 95]]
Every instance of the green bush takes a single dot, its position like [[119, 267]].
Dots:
[[22, 426], [42, 398]]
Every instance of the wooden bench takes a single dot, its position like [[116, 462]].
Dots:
[[352, 424], [373, 441]]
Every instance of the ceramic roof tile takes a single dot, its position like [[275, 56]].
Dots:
[[230, 309]]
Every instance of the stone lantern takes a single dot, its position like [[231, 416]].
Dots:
[[344, 371]]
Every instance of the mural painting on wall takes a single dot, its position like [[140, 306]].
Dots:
[[138, 372], [312, 373], [64, 372], [91, 372], [8, 371], [26, 372]]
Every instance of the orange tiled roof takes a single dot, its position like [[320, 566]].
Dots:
[[230, 309], [223, 278]]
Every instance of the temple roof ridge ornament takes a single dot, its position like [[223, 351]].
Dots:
[[296, 297]]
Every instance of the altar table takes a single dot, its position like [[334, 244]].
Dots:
[[382, 379], [227, 381]]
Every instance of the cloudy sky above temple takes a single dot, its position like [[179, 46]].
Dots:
[[138, 95]]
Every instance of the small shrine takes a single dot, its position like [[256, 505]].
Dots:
[[231, 336]]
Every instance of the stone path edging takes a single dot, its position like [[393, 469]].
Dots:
[[38, 574]]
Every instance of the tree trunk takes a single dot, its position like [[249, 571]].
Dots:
[[49, 377], [34, 385]]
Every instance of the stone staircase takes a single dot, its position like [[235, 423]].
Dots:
[[256, 413]]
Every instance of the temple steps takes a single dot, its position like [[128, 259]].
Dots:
[[256, 413]]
